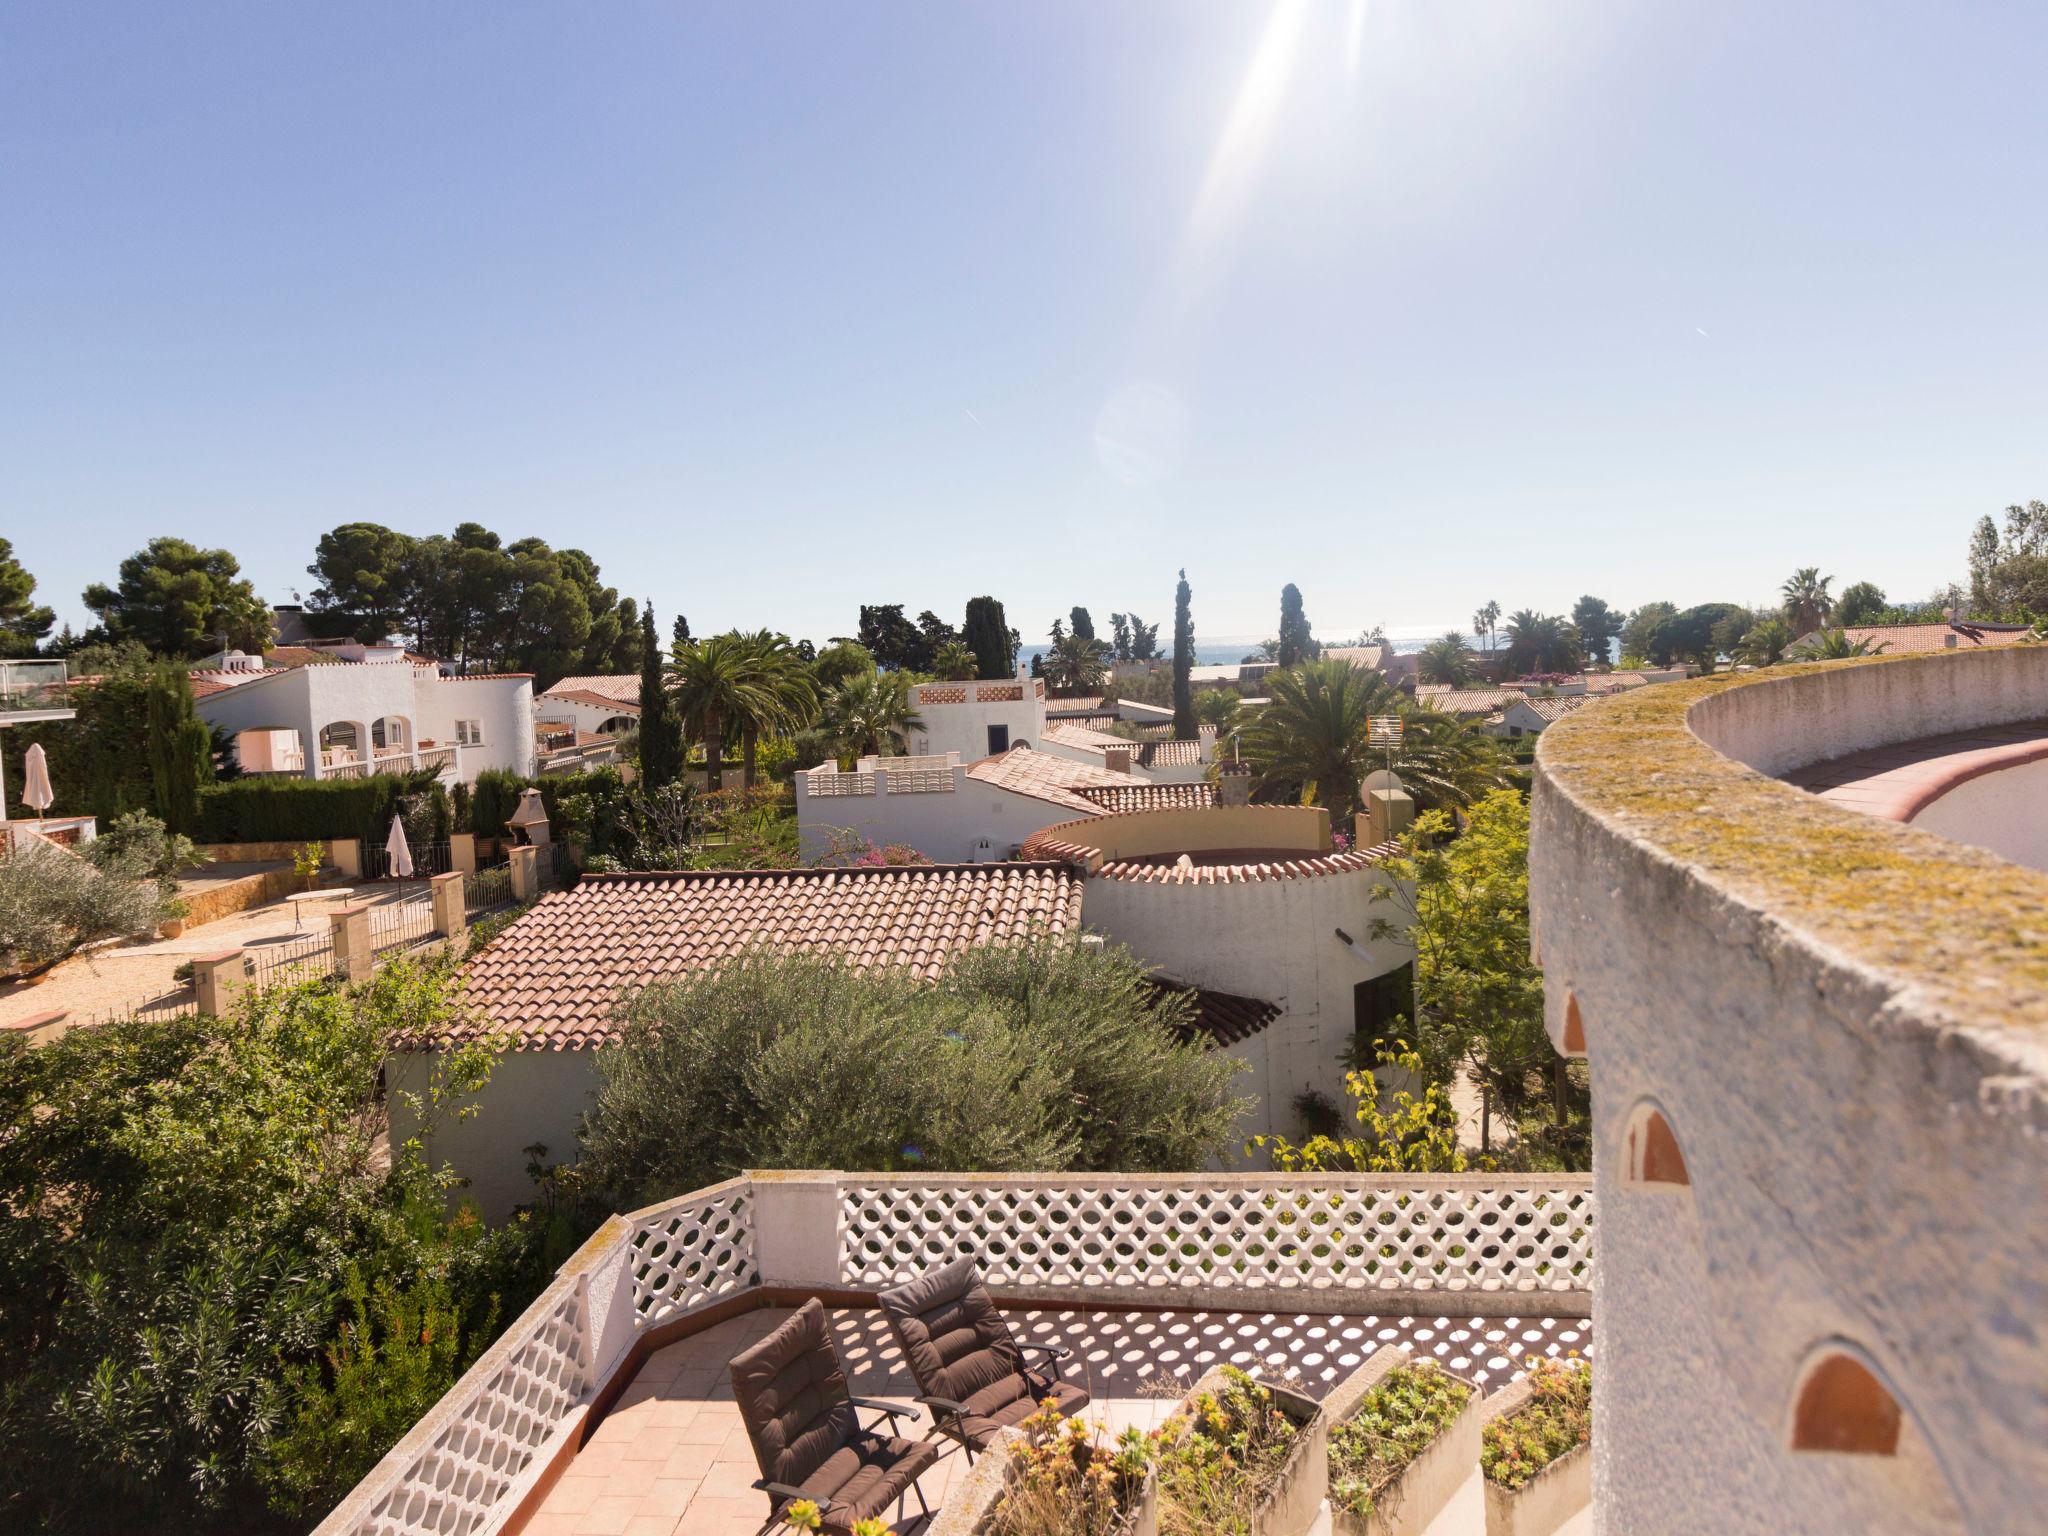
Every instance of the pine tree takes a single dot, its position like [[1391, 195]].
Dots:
[[1120, 629], [661, 733], [1183, 663], [987, 634], [681, 634]]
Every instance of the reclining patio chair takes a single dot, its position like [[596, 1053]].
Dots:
[[967, 1363], [794, 1400]]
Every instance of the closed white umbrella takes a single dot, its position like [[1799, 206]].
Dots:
[[400, 851], [36, 769]]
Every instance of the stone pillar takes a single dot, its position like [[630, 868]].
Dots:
[[445, 891], [525, 873], [219, 981], [346, 855], [1234, 784], [462, 852], [796, 1227], [353, 958]]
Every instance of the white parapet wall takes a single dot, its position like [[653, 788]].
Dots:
[[1818, 1043]]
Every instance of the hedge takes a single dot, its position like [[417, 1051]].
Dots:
[[495, 794], [279, 810]]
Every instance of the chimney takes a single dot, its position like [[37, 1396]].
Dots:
[[1117, 759], [1388, 813], [1234, 784], [1948, 640]]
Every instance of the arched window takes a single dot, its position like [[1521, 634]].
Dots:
[[1650, 1153], [1842, 1406], [1574, 1027]]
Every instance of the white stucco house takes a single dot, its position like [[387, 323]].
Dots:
[[600, 704], [350, 710]]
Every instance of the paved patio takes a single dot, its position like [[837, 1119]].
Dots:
[[671, 1457]]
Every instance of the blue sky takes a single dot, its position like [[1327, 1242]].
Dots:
[[776, 309]]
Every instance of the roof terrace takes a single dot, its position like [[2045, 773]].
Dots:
[[606, 1409]]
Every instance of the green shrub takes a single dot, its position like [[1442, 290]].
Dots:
[[1557, 1418], [1394, 1424], [53, 903], [1046, 1056], [279, 810], [185, 1201], [1219, 1457]]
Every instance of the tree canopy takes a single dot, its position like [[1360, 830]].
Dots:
[[1295, 643], [24, 623], [988, 634], [181, 602], [1183, 660]]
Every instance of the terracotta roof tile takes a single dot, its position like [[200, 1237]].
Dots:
[[1558, 708], [1224, 1018], [1044, 776], [1171, 754], [1150, 797], [553, 979], [622, 688], [1467, 703], [599, 700], [1072, 734], [1913, 639]]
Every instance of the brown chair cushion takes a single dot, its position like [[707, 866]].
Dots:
[[866, 1476], [959, 1347], [794, 1398]]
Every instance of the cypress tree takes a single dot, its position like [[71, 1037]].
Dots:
[[987, 633], [1084, 625], [1295, 642], [661, 733], [180, 750], [1183, 662]]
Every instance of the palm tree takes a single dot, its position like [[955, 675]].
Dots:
[[1485, 621], [1074, 666], [1444, 762], [1312, 732], [1448, 660], [790, 690], [1541, 642], [1764, 643], [954, 662], [721, 683], [871, 713], [1807, 604], [1834, 645]]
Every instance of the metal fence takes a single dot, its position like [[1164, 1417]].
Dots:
[[276, 965], [175, 1005], [427, 859], [487, 890], [401, 924]]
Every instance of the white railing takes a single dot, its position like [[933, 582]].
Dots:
[[437, 757], [33, 687], [1358, 1240], [1035, 1232], [918, 781], [819, 782]]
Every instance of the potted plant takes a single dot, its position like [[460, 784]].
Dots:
[[1241, 1457], [1536, 1448], [1055, 1476], [1404, 1436]]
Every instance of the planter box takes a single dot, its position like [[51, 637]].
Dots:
[[1552, 1496], [1297, 1494], [970, 1506], [1415, 1498]]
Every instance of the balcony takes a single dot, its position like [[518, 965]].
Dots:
[[609, 1391], [32, 691]]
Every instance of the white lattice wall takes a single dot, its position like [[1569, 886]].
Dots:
[[819, 783], [690, 1253], [1451, 1233], [453, 1485]]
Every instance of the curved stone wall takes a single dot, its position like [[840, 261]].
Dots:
[[1844, 1023]]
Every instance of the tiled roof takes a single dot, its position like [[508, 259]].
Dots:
[[1045, 776], [1067, 841], [599, 700], [1357, 655], [1558, 708], [1912, 639], [1224, 1017], [552, 980], [622, 688], [301, 656], [1151, 797], [1170, 754], [1089, 705], [1070, 734], [1467, 702], [206, 683]]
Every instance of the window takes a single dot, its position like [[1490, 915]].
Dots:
[[1381, 1008], [469, 733], [998, 739]]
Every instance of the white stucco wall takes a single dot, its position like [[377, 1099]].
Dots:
[[1863, 1168], [533, 1096], [583, 715], [1270, 939], [943, 826], [963, 728], [504, 705], [2006, 812]]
